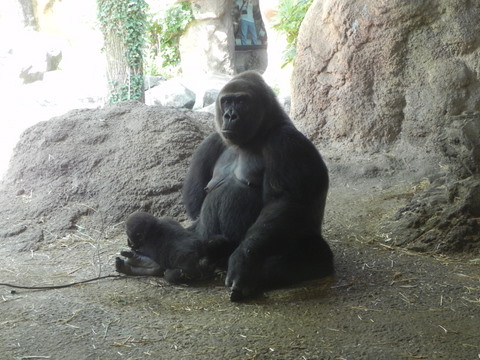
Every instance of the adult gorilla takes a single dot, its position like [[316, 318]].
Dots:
[[259, 183]]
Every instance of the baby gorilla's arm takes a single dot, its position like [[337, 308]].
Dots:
[[137, 264]]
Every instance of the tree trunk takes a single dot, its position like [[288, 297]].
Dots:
[[123, 27], [29, 19], [120, 74]]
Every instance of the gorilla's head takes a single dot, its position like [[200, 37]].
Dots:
[[244, 110]]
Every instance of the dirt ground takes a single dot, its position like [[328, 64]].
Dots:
[[384, 303]]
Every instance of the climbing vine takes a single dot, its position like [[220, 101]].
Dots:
[[123, 24], [164, 31], [289, 18]]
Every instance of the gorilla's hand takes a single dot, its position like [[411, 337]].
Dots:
[[243, 274]]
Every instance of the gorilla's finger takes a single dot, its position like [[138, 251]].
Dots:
[[236, 295], [128, 254]]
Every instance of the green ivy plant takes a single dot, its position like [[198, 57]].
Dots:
[[164, 31], [288, 20], [126, 21]]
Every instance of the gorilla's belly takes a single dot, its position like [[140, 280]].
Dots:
[[229, 209]]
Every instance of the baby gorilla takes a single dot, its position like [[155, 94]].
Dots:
[[163, 247]]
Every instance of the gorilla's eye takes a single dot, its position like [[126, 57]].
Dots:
[[243, 99], [238, 99]]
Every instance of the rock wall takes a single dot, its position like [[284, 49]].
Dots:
[[207, 47], [377, 72], [394, 86]]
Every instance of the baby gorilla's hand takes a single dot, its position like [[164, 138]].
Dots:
[[137, 264], [121, 267], [127, 253]]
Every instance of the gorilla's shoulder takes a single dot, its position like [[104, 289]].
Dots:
[[286, 132], [212, 143], [286, 144]]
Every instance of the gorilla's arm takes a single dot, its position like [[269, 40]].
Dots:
[[295, 189], [200, 173]]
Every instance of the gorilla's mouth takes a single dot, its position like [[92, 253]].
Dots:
[[228, 134]]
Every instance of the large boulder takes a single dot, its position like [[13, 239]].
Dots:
[[385, 71], [84, 172], [171, 93], [206, 88], [399, 81], [207, 46]]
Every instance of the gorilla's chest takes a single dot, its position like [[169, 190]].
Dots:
[[237, 167], [234, 196]]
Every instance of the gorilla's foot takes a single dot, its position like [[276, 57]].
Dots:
[[137, 264]]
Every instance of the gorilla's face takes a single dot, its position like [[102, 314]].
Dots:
[[240, 110], [237, 123]]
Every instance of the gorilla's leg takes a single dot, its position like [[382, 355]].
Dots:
[[218, 249], [311, 260], [137, 264]]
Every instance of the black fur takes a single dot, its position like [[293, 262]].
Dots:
[[163, 247], [261, 185]]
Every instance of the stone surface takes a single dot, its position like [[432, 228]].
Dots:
[[205, 86], [207, 47], [210, 96], [399, 80], [171, 93], [90, 168], [443, 217], [377, 73], [150, 81]]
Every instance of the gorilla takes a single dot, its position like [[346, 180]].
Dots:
[[256, 192], [163, 247]]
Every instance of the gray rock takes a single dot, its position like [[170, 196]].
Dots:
[[210, 96], [171, 93], [375, 74], [152, 81]]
